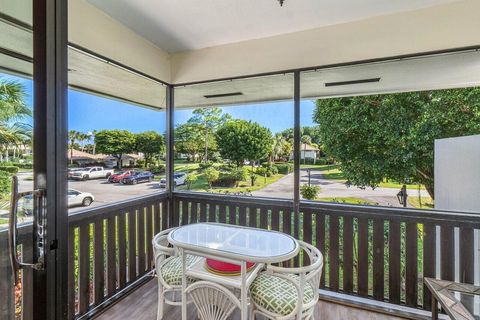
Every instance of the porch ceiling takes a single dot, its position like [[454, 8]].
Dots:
[[190, 25]]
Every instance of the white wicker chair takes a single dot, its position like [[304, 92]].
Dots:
[[213, 301], [168, 269], [288, 293]]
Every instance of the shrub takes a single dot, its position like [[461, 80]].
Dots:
[[284, 168], [5, 184], [25, 165], [226, 181], [253, 178], [9, 169], [190, 179], [211, 174], [309, 192], [157, 169], [205, 165], [239, 174], [322, 161]]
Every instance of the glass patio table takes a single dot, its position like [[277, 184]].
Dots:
[[232, 244]]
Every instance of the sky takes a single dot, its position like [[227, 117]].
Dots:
[[87, 112]]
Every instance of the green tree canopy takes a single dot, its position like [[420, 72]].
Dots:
[[240, 140], [189, 139], [150, 143], [392, 136], [115, 143], [207, 120]]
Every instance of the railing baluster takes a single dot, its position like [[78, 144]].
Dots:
[[164, 214], [447, 253], [141, 240], [232, 214], [184, 212], [348, 254], [333, 252], [72, 286], [307, 232], [263, 218], [176, 213], [394, 276], [149, 236], [84, 268], [203, 211], [362, 276], [275, 219], [194, 217], [429, 260], [212, 212], [111, 257], [378, 259], [252, 217], [320, 242], [411, 273], [132, 248], [98, 257], [122, 250], [156, 218], [222, 213], [242, 218], [467, 256]]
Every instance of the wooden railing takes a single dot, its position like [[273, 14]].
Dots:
[[374, 252], [110, 249], [16, 300]]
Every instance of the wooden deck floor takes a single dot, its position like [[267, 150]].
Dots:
[[142, 305]]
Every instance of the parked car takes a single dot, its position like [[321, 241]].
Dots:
[[138, 176], [92, 173], [75, 198], [179, 178], [72, 171], [119, 175]]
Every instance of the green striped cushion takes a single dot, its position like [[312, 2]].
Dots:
[[276, 294], [172, 269]]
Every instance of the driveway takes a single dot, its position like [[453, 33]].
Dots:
[[283, 188], [103, 191]]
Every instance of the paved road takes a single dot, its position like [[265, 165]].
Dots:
[[103, 191], [283, 188]]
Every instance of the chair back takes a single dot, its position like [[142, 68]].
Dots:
[[161, 247], [213, 301]]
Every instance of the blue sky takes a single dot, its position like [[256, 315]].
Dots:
[[87, 112]]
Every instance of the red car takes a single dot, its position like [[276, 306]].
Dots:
[[119, 175]]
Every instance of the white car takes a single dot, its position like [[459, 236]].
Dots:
[[75, 198], [179, 178], [91, 173], [78, 198]]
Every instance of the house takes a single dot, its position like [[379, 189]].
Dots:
[[308, 153]]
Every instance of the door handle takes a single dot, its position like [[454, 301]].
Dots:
[[38, 210]]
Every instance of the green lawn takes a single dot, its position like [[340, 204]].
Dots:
[[426, 202], [349, 200], [333, 172], [202, 185]]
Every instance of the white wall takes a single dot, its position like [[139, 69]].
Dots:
[[94, 30], [457, 174], [437, 28]]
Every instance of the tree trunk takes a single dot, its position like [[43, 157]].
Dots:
[[206, 145], [431, 191], [119, 161]]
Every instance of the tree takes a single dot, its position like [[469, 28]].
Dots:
[[240, 140], [281, 148], [72, 137], [82, 138], [151, 144], [211, 174], [189, 140], [208, 120], [115, 143], [305, 139], [13, 112], [392, 136]]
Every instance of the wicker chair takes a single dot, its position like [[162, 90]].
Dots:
[[288, 293], [213, 301], [168, 269]]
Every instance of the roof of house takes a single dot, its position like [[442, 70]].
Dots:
[[78, 155], [308, 147]]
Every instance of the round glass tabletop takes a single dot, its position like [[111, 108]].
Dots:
[[249, 244]]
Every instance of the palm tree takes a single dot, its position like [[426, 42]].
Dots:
[[306, 139], [82, 138], [12, 111], [92, 135], [72, 137]]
